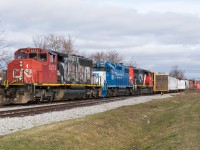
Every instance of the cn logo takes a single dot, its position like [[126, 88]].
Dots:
[[52, 67]]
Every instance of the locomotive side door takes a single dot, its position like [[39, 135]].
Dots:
[[52, 68]]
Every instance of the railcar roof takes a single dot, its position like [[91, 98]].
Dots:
[[63, 54]]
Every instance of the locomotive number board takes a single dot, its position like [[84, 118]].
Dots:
[[35, 50], [31, 50]]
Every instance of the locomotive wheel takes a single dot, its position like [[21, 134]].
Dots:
[[42, 98], [115, 92], [127, 92], [86, 95], [95, 94]]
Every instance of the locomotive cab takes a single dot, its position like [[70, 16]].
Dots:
[[33, 66]]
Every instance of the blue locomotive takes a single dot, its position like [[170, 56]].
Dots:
[[115, 78]]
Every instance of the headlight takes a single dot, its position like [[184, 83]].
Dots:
[[20, 64]]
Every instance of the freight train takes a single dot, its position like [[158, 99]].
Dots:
[[38, 75]]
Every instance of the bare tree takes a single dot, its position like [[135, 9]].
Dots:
[[114, 57], [130, 63], [68, 46], [55, 42], [177, 73], [98, 56], [110, 56], [39, 41], [5, 56]]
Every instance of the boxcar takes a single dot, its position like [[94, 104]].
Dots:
[[197, 84], [173, 84], [191, 84], [181, 85], [165, 83]]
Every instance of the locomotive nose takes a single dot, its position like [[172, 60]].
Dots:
[[17, 74]]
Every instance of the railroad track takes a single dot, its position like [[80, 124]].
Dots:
[[21, 112]]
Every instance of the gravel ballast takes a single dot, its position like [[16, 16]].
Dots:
[[9, 125]]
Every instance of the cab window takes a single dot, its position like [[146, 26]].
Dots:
[[43, 56], [24, 56], [52, 58], [108, 70], [32, 55], [21, 56], [17, 56]]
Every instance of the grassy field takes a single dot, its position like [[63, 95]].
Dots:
[[167, 124]]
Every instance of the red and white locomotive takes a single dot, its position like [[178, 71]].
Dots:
[[36, 74]]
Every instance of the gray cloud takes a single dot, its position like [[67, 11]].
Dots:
[[155, 39]]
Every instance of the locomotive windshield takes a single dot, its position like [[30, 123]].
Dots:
[[43, 56], [20, 56], [40, 56], [32, 55]]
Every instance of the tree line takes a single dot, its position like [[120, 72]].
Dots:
[[65, 45], [5, 56]]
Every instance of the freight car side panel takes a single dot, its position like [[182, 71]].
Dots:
[[181, 85], [161, 83], [173, 84], [187, 86], [191, 84], [198, 85]]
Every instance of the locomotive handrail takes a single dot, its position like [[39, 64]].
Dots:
[[70, 85], [5, 83]]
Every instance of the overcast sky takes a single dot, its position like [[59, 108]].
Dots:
[[157, 34]]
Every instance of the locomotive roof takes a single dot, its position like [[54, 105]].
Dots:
[[63, 54], [58, 53], [55, 52]]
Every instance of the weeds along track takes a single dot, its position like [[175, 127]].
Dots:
[[21, 112]]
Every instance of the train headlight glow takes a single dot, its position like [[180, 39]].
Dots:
[[20, 64]]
